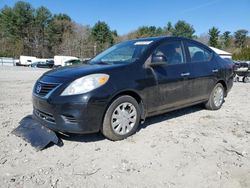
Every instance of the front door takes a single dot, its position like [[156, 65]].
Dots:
[[171, 76]]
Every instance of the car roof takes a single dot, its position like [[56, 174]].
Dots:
[[160, 38]]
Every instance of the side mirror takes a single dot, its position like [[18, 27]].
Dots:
[[158, 60]]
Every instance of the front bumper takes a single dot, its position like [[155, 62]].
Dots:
[[67, 116]]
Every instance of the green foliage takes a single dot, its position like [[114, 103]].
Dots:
[[148, 31], [28, 31], [227, 39], [7, 22], [240, 38], [37, 32], [183, 29], [244, 54], [214, 37], [102, 35], [59, 26], [42, 18], [169, 29], [24, 16]]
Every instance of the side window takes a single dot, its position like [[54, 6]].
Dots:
[[198, 54], [171, 53]]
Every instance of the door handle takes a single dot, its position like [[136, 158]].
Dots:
[[185, 74], [215, 70]]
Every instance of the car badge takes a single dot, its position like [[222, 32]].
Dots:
[[38, 88]]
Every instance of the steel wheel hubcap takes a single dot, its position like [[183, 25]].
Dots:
[[218, 96], [123, 118]]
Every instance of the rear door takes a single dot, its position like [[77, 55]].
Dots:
[[203, 69]]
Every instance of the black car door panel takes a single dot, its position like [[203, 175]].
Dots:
[[171, 76]]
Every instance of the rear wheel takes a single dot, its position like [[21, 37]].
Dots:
[[246, 79], [216, 98], [121, 118]]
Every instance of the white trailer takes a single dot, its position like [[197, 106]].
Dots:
[[26, 60], [59, 61]]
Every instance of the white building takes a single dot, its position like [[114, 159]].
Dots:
[[222, 53]]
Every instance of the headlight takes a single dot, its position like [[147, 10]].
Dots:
[[85, 84]]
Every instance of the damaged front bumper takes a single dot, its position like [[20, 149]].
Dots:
[[36, 134]]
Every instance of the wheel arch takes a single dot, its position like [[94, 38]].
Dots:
[[224, 85], [133, 94]]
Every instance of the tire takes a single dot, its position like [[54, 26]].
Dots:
[[121, 118], [246, 79], [56, 66], [236, 79], [216, 97]]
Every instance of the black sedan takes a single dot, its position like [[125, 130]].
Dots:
[[128, 82], [43, 64]]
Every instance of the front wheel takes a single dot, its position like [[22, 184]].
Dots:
[[121, 118], [216, 98]]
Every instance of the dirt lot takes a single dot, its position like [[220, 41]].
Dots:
[[192, 147]]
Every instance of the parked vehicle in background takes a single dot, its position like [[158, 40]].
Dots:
[[16, 62], [59, 61], [73, 62], [26, 60], [128, 82], [43, 64], [242, 71], [85, 60]]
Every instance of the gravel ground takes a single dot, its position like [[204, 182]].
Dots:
[[192, 147]]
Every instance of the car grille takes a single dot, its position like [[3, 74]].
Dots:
[[42, 88], [45, 116]]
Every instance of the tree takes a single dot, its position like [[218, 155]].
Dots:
[[102, 35], [116, 37], [16, 25], [7, 22], [28, 31], [213, 37], [148, 31], [42, 19], [226, 39], [183, 29], [244, 55], [24, 16], [58, 27], [78, 43], [10, 42], [240, 38], [169, 29]]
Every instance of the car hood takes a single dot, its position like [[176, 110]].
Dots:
[[76, 71]]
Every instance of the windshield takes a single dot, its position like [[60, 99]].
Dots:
[[126, 52]]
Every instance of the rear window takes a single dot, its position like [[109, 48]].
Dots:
[[198, 53]]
